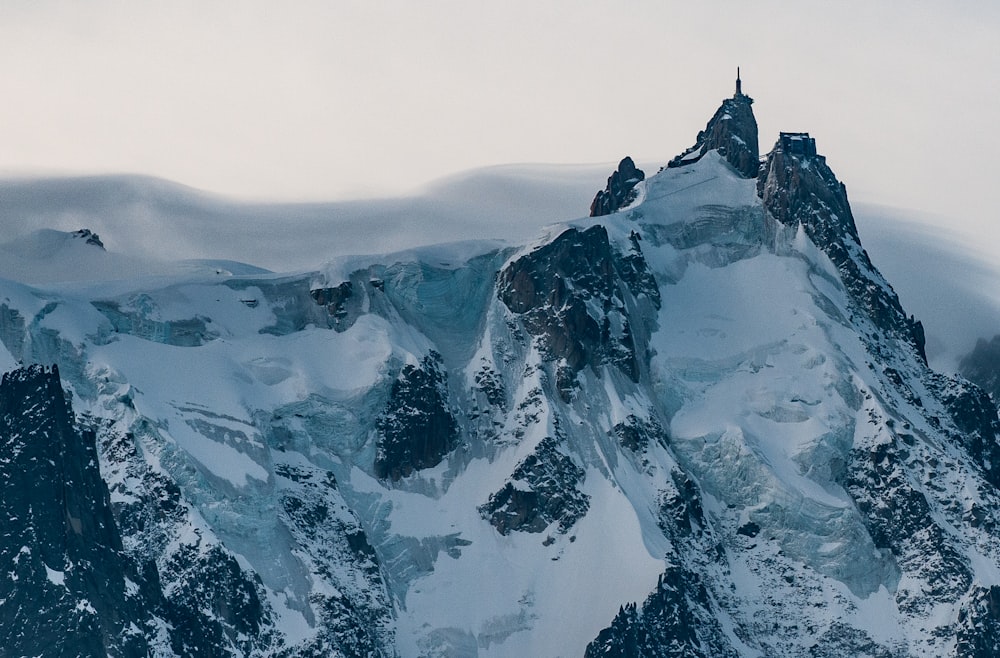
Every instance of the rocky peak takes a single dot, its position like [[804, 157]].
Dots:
[[620, 190], [89, 237], [797, 184], [732, 131], [797, 187]]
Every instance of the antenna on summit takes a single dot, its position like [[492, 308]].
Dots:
[[739, 85]]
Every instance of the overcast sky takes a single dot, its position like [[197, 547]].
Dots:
[[337, 99]]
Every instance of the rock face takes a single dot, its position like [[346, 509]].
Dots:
[[120, 571], [544, 488], [417, 428], [620, 190], [674, 621], [798, 188], [732, 131], [979, 625], [336, 301], [67, 576], [353, 615], [89, 237], [207, 604], [572, 294], [898, 517], [975, 416]]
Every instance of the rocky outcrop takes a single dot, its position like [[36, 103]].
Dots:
[[798, 188], [66, 575], [337, 301], [732, 132], [978, 633], [417, 429], [674, 621], [542, 490], [975, 416], [636, 433], [354, 611], [681, 514], [620, 190], [571, 294], [89, 237], [214, 607], [899, 520]]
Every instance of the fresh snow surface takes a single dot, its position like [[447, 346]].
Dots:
[[55, 577], [512, 595]]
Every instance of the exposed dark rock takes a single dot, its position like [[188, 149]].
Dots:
[[620, 190], [899, 519], [417, 428], [982, 365], [66, 572], [12, 331], [339, 302], [570, 294], [634, 271], [148, 503], [214, 608], [798, 187], [543, 489], [209, 604], [842, 640], [978, 633], [354, 613], [975, 415], [490, 384], [636, 433], [90, 237], [732, 131], [680, 617], [680, 511], [675, 621]]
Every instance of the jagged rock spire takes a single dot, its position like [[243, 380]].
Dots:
[[620, 190], [732, 131], [797, 187]]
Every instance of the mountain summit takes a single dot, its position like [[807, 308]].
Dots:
[[732, 132], [698, 423]]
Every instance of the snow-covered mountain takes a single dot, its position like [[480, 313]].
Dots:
[[701, 424]]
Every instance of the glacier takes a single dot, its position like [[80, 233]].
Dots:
[[701, 425]]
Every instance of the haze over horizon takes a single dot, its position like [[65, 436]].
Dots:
[[345, 100]]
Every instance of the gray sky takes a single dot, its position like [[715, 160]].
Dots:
[[323, 100]]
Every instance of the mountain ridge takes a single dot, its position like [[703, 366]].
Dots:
[[701, 425]]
